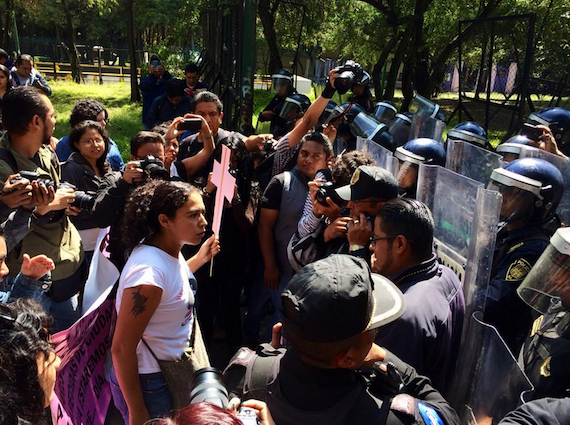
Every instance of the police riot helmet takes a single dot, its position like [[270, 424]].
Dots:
[[410, 156], [548, 283], [532, 189], [558, 120], [282, 79], [364, 81], [511, 149], [367, 126], [469, 132], [385, 111], [349, 113], [331, 110], [294, 107]]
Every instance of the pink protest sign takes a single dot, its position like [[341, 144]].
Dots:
[[225, 184], [82, 392]]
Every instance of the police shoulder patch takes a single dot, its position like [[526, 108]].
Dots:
[[518, 270]]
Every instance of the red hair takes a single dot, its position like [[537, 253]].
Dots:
[[202, 413]]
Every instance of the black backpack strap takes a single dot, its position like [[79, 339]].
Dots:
[[8, 158], [262, 371]]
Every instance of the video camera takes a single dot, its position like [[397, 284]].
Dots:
[[83, 200], [207, 385], [349, 74]]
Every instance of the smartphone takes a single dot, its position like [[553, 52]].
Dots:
[[190, 124], [531, 131]]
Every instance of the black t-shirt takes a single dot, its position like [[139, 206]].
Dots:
[[271, 198]]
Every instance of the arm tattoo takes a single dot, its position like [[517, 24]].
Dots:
[[139, 305]]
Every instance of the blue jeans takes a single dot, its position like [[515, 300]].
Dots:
[[156, 395]]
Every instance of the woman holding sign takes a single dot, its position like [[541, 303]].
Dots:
[[155, 300]]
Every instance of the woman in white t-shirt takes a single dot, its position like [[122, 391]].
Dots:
[[155, 298]]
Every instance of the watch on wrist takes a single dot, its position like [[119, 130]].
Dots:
[[355, 247]]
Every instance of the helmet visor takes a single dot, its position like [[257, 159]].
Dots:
[[364, 125], [290, 109], [400, 129], [518, 204], [280, 83], [329, 114], [548, 281], [407, 177], [385, 112]]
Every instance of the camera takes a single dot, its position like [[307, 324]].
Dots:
[[326, 190], [532, 132], [190, 124], [349, 74], [154, 168], [33, 176], [207, 385], [83, 200]]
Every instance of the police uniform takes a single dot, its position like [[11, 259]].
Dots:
[[515, 254], [546, 353], [278, 124]]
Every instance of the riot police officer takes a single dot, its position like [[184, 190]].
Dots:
[[344, 131], [470, 132], [532, 189], [511, 149], [362, 95], [410, 156], [546, 352], [282, 84], [558, 120]]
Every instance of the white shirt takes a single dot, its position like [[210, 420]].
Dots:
[[170, 327]]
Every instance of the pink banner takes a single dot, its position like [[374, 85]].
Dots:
[[83, 393]]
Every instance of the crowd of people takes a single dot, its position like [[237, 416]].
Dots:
[[330, 255]]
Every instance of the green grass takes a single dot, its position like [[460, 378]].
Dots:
[[125, 117]]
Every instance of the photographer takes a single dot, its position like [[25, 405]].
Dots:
[[29, 119], [90, 172], [148, 148], [24, 74], [331, 310], [368, 189], [153, 86]]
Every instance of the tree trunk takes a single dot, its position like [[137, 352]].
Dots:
[[267, 17], [396, 61], [73, 53], [135, 94], [379, 66], [7, 23]]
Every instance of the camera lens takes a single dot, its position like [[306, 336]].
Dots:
[[207, 385], [84, 201], [343, 82]]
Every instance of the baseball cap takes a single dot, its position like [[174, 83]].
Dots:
[[369, 181], [338, 297]]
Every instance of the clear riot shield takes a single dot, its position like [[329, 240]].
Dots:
[[563, 165], [495, 384], [466, 217], [425, 125], [383, 157], [471, 161]]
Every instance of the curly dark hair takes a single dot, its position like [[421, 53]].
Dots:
[[147, 202], [24, 332], [346, 164], [79, 130], [86, 109]]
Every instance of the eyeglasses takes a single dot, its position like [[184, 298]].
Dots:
[[373, 240], [92, 141]]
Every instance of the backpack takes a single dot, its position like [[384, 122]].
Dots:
[[303, 251]]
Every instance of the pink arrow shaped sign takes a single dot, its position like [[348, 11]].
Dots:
[[225, 184]]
